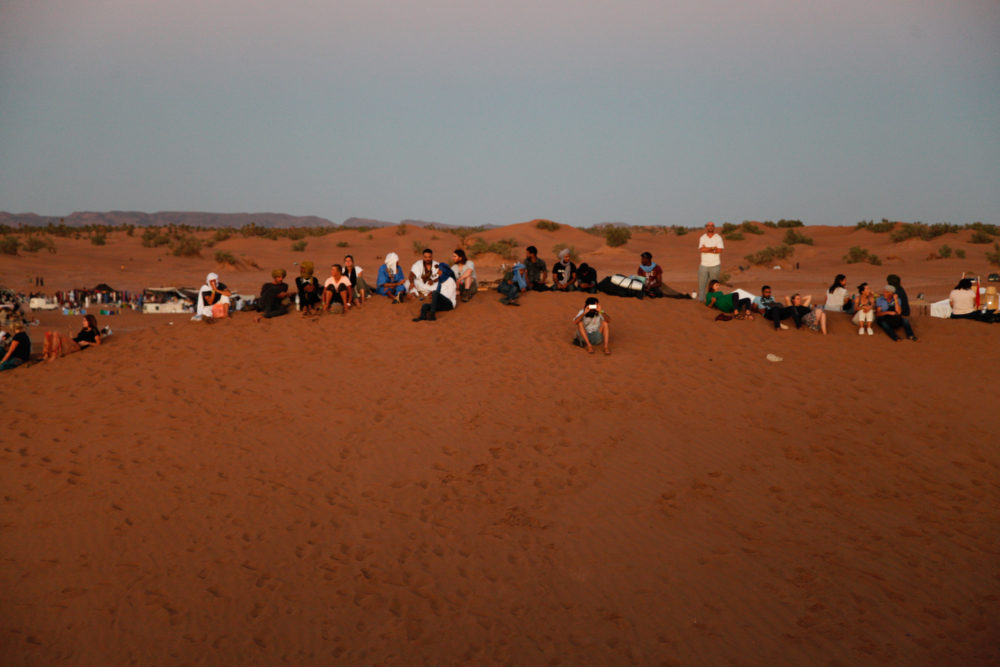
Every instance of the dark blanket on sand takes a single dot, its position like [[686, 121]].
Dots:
[[607, 287]]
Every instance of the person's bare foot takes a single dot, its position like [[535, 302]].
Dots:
[[607, 350]]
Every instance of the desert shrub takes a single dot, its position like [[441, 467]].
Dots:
[[370, 237], [680, 231], [221, 235], [857, 254], [418, 247], [770, 223], [504, 247], [878, 227], [944, 252], [547, 225], [750, 227], [733, 235], [617, 236], [959, 253], [152, 238], [9, 245], [99, 238], [994, 257], [992, 230], [790, 223], [793, 237], [187, 246], [770, 254], [225, 258], [980, 237], [299, 246], [342, 244], [574, 256], [36, 243], [295, 233], [401, 230]]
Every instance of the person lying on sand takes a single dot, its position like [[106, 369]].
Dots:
[[273, 296], [592, 326], [889, 315], [58, 344], [727, 303], [512, 284], [19, 349], [465, 275], [360, 288], [337, 291], [766, 305], [443, 298], [423, 274], [308, 287], [213, 299], [802, 313]]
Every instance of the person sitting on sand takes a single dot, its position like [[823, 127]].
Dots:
[[904, 301], [592, 326], [391, 282], [443, 298], [58, 344], [727, 303], [963, 302], [772, 311], [564, 273], [512, 284], [465, 274], [803, 313], [423, 275], [309, 291], [19, 350], [837, 298], [889, 315], [535, 269], [653, 274], [337, 290], [213, 299], [359, 287], [586, 278], [864, 309], [273, 296]]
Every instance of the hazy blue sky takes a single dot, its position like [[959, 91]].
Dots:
[[471, 112]]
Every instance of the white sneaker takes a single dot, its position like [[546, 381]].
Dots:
[[871, 333], [861, 331]]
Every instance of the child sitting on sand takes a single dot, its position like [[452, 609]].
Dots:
[[592, 326]]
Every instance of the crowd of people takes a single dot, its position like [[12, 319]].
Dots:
[[441, 287]]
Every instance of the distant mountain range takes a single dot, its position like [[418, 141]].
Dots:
[[199, 219]]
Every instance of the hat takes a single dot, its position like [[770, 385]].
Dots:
[[889, 288]]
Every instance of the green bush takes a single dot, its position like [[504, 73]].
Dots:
[[858, 254], [401, 230], [959, 253], [225, 258], [504, 247], [299, 246], [221, 235], [944, 252], [793, 237], [770, 254], [36, 243], [980, 237], [992, 230], [186, 246], [750, 227], [547, 225], [994, 257], [574, 256], [617, 236], [99, 238], [770, 223], [9, 245], [342, 244], [734, 235], [152, 238], [680, 231], [790, 223]]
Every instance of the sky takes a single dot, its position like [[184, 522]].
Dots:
[[467, 112]]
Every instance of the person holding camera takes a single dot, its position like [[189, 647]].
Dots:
[[592, 326]]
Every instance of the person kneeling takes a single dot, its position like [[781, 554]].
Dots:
[[592, 326], [443, 298]]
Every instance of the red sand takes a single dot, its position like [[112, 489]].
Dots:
[[363, 489]]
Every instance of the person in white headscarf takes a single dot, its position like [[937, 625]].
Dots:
[[213, 298], [564, 273], [391, 282]]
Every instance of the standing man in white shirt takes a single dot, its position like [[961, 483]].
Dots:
[[710, 246]]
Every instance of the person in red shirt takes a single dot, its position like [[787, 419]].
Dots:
[[653, 274]]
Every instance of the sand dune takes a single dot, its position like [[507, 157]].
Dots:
[[367, 490]]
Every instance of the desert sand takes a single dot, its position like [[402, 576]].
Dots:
[[362, 489]]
